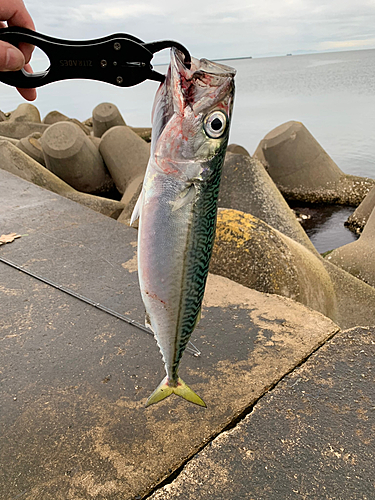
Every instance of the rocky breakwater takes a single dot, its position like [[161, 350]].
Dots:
[[22, 122], [64, 155], [251, 252], [71, 156], [303, 171], [126, 156], [259, 242], [357, 221], [261, 245], [358, 257], [246, 186]]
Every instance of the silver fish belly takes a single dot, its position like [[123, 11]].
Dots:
[[178, 205]]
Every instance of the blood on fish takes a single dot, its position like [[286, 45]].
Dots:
[[154, 296]]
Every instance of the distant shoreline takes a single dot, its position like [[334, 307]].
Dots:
[[232, 58], [295, 54], [214, 60]]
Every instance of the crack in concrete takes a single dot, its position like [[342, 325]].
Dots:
[[247, 411]]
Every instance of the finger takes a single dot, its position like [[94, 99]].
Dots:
[[11, 59], [27, 50], [28, 94], [15, 14], [28, 68]]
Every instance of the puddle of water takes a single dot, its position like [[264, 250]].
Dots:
[[325, 227]]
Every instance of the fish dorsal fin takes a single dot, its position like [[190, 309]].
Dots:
[[186, 196], [137, 209]]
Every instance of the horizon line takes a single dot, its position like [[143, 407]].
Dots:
[[297, 53]]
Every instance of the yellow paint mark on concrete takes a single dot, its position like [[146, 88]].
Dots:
[[234, 226]]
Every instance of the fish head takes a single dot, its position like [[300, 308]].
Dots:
[[192, 113]]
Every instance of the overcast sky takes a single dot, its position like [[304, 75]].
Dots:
[[217, 28]]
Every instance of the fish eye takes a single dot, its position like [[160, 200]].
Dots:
[[215, 124]]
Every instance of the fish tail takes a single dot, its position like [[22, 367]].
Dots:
[[165, 389]]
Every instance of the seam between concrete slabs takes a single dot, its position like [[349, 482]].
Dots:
[[168, 479], [247, 411]]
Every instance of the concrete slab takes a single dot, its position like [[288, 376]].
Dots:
[[74, 380], [311, 437]]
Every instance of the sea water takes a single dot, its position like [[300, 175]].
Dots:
[[332, 94]]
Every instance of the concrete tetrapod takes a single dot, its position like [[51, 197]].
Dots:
[[237, 149], [17, 162], [31, 146], [246, 186], [95, 141], [143, 132], [252, 253], [54, 117], [104, 117], [303, 171], [357, 221], [17, 130], [25, 112], [358, 257], [71, 155], [249, 251], [81, 125], [129, 199], [125, 154], [10, 139]]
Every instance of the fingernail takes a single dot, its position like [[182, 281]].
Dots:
[[14, 59]]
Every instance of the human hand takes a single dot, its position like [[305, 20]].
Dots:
[[14, 13]]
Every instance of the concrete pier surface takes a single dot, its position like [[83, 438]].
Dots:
[[311, 437], [74, 379]]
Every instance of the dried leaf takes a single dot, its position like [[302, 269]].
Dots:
[[8, 238]]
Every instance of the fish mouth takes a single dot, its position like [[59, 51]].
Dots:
[[197, 89], [188, 85], [212, 68]]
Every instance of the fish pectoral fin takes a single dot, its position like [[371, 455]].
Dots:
[[186, 196], [164, 390], [137, 209]]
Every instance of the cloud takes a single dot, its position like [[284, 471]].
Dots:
[[116, 11], [347, 44], [216, 28]]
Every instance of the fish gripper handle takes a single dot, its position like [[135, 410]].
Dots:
[[118, 59]]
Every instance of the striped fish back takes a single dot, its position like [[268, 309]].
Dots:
[[198, 255]]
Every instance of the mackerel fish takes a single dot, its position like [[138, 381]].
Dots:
[[177, 206]]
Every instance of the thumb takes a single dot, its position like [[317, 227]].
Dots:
[[11, 59]]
